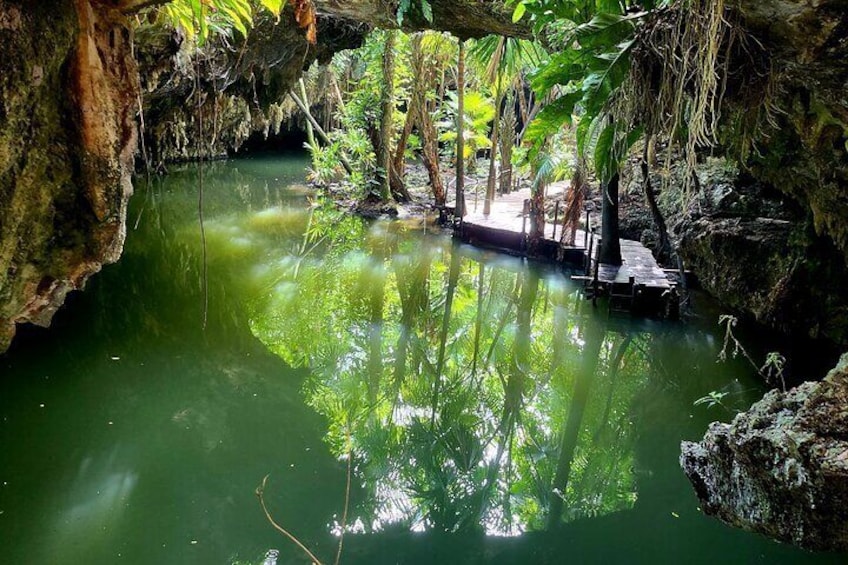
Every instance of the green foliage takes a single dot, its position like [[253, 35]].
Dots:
[[326, 164], [554, 163], [200, 18], [479, 113], [585, 74], [711, 400], [420, 8], [360, 117]]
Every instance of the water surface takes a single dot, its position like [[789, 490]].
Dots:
[[488, 413]]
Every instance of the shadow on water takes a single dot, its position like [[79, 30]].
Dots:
[[491, 414]]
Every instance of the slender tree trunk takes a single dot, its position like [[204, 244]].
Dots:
[[613, 369], [651, 199], [310, 133], [430, 156], [420, 109], [493, 155], [453, 279], [412, 290], [537, 213], [460, 133], [523, 104], [400, 150], [318, 129], [338, 92], [610, 236], [478, 325], [375, 333], [574, 204], [383, 144]]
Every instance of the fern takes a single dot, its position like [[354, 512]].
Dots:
[[199, 19]]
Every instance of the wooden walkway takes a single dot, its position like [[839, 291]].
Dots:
[[637, 285], [506, 228]]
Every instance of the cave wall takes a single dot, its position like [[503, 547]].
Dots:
[[806, 156], [67, 137], [786, 264], [243, 84], [756, 249]]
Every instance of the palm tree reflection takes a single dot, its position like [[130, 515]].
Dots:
[[463, 384]]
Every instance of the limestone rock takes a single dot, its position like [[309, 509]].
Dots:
[[781, 468], [67, 138]]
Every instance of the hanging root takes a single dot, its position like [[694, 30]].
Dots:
[[689, 57]]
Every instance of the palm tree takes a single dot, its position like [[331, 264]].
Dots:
[[502, 62]]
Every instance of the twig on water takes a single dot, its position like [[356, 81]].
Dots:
[[260, 493], [347, 499]]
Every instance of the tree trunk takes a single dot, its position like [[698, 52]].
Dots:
[[460, 133], [310, 133], [424, 75], [537, 213], [651, 199], [400, 150], [383, 143], [375, 332], [574, 204], [317, 128], [610, 238], [493, 156], [453, 279]]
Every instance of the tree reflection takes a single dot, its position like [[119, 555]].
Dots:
[[474, 392]]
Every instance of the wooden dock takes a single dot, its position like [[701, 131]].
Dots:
[[638, 285], [506, 228]]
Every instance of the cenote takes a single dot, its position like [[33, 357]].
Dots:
[[138, 428]]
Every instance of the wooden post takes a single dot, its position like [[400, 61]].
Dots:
[[595, 284], [556, 219], [460, 136], [524, 212]]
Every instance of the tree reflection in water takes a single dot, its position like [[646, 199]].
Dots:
[[474, 392]]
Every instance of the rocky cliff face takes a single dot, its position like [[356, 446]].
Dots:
[[757, 250], [806, 156], [67, 137], [781, 469]]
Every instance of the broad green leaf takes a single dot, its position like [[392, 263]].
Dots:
[[519, 12], [427, 10], [273, 6]]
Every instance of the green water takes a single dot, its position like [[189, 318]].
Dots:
[[133, 434]]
